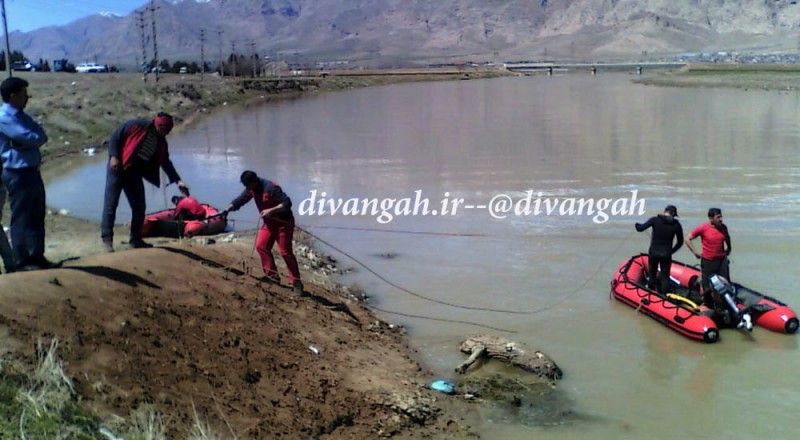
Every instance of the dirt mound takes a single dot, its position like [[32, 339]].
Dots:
[[181, 327]]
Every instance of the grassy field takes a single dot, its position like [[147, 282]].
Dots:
[[743, 76]]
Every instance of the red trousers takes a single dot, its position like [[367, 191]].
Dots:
[[282, 233]]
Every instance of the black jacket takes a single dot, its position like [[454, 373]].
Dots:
[[665, 227]]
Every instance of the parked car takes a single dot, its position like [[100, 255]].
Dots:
[[63, 65], [22, 65], [91, 68]]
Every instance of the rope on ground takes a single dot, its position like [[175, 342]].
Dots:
[[400, 231], [436, 301], [429, 318], [454, 321]]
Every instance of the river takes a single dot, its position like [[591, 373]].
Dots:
[[539, 138]]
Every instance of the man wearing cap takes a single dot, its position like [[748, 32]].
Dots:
[[666, 227], [136, 150], [716, 247], [20, 140]]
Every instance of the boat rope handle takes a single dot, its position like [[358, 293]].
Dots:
[[677, 299], [683, 300]]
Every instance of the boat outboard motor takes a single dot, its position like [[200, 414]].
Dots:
[[727, 292]]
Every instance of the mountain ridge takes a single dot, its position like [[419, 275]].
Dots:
[[417, 30]]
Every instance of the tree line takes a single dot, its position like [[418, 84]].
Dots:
[[234, 65]]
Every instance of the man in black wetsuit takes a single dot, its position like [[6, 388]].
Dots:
[[665, 227]]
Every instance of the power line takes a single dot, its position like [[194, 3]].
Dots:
[[202, 53], [144, 46], [155, 45], [233, 57], [219, 41], [255, 58], [8, 46]]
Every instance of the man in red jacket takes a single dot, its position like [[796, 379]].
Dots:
[[136, 150], [188, 208], [275, 208]]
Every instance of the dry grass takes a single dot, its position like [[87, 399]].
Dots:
[[742, 76], [51, 389], [41, 404], [200, 429], [147, 423]]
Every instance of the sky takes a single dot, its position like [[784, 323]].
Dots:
[[28, 15]]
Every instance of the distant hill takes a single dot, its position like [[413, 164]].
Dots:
[[391, 31]]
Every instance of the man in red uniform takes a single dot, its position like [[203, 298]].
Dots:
[[716, 247], [188, 208], [136, 150], [275, 208]]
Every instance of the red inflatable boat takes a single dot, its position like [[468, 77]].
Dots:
[[679, 312], [164, 224]]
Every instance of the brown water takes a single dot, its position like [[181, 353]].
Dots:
[[574, 136]]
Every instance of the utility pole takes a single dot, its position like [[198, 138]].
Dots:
[[144, 46], [233, 57], [221, 64], [202, 53], [155, 46], [8, 46], [255, 58]]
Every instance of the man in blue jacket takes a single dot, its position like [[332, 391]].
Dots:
[[20, 140]]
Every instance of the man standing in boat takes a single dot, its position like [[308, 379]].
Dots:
[[716, 247], [136, 150], [666, 230], [275, 209]]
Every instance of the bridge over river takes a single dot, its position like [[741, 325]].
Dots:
[[550, 67]]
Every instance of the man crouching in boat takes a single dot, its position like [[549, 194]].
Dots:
[[666, 227], [188, 208]]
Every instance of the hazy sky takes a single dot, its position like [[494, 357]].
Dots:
[[27, 15]]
